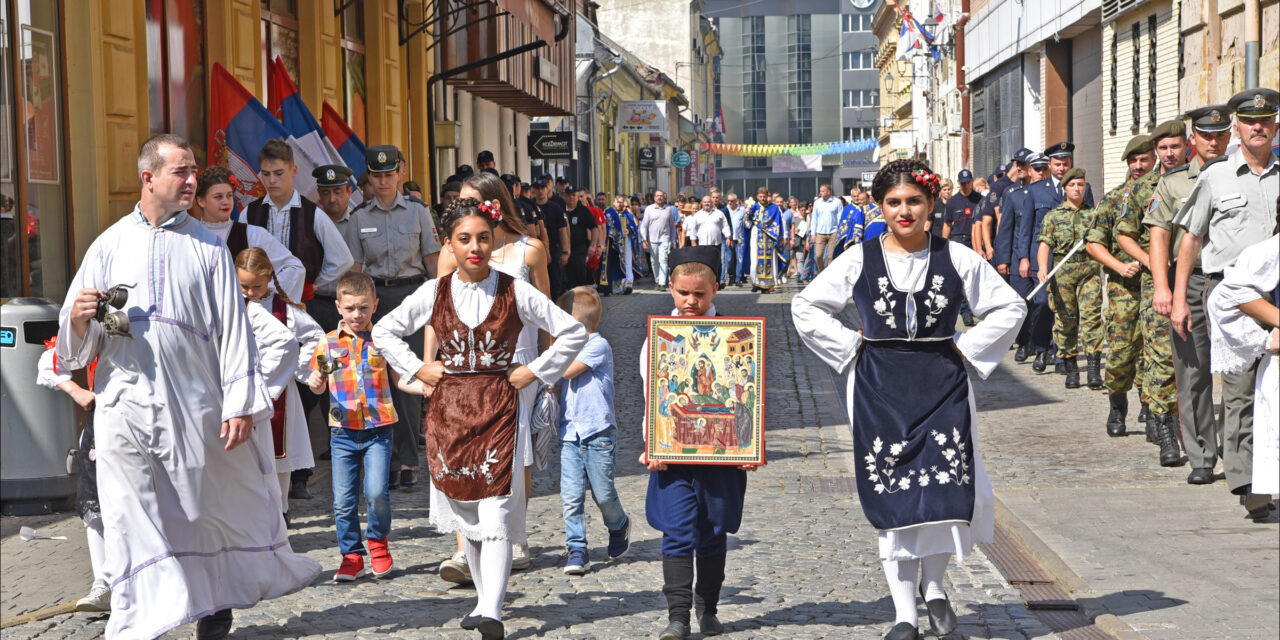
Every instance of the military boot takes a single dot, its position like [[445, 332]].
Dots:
[[1153, 427], [1144, 413], [1072, 366], [1095, 370], [1115, 419], [1170, 452]]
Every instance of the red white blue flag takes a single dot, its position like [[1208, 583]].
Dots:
[[349, 145], [311, 148], [238, 127]]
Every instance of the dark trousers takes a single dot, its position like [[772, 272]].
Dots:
[[555, 274], [964, 302], [1023, 286], [577, 270], [404, 445]]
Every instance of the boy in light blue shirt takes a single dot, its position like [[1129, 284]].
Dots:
[[588, 431]]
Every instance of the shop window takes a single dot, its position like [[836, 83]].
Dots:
[[175, 71], [34, 230], [354, 91], [280, 38]]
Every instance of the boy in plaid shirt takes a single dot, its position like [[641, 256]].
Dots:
[[360, 417]]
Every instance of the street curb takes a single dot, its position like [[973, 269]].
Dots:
[[1072, 583]]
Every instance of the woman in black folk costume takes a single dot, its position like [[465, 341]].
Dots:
[[920, 477]]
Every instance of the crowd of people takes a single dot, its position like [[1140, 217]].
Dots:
[[448, 330]]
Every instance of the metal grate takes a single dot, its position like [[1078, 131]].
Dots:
[[1113, 8]]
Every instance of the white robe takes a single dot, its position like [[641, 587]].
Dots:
[[498, 518], [1001, 310], [289, 269], [1237, 340], [304, 335], [190, 528]]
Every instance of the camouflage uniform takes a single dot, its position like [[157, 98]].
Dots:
[[1076, 283], [1156, 364], [1124, 339]]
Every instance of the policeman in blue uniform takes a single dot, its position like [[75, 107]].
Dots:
[[1015, 210]]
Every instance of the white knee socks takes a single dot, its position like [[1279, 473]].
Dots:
[[932, 570], [490, 564], [97, 549], [901, 575]]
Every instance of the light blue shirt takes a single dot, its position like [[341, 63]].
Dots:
[[736, 215], [826, 215], [587, 400], [788, 219]]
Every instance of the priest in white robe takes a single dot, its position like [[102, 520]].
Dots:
[[191, 525]]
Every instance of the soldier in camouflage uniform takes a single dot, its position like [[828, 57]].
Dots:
[[1124, 287], [1062, 229], [1156, 365]]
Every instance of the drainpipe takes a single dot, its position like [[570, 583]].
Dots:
[[596, 147], [1252, 42], [961, 84]]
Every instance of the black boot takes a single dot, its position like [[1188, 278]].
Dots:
[[1153, 428], [706, 594], [1021, 354], [677, 586], [1170, 452], [1144, 413], [1115, 419], [214, 626], [1059, 366], [1095, 371], [1041, 362], [1072, 367]]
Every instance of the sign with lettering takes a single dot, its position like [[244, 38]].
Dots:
[[550, 145]]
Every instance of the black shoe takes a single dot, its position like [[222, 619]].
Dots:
[[407, 478], [941, 616], [709, 625], [1072, 367], [490, 629], [1115, 419], [327, 455], [968, 319], [1170, 453], [214, 626], [1259, 507], [902, 631], [676, 630], [393, 481], [1200, 476], [1153, 427], [1094, 370], [1041, 362], [1144, 413], [298, 490], [470, 622], [1021, 354], [287, 522], [1060, 367]]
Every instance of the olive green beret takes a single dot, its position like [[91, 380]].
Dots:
[[1137, 144]]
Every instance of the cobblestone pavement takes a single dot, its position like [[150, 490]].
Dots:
[[804, 563]]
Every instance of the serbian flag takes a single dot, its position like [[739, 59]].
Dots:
[[911, 37], [238, 127], [305, 134], [349, 145]]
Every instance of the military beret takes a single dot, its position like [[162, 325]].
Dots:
[[1060, 150], [332, 175], [1023, 155], [1039, 160], [1138, 144], [704, 254], [1072, 174], [1214, 118], [965, 176], [452, 185], [1255, 103], [382, 158], [1170, 129]]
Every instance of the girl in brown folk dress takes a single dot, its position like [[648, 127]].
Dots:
[[471, 425]]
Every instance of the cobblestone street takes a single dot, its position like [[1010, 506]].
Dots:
[[1130, 539]]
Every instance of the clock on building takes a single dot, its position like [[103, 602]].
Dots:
[[862, 4]]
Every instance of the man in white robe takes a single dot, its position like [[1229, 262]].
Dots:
[[190, 523]]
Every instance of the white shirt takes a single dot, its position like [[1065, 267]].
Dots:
[[289, 269], [337, 256], [826, 215], [707, 227]]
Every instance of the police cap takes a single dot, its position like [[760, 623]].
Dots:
[[1138, 144], [1214, 118], [965, 176], [1170, 129], [1060, 150], [1256, 103], [1039, 160], [382, 158], [1023, 155], [1072, 174], [332, 175]]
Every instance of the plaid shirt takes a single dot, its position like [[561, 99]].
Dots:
[[360, 385]]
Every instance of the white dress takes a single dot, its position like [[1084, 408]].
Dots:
[[1237, 340], [189, 527], [306, 335], [498, 518], [813, 311], [289, 269], [526, 350]]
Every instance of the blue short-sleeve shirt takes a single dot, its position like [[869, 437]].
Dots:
[[587, 400]]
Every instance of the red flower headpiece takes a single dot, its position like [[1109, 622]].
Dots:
[[231, 180], [927, 179], [491, 207]]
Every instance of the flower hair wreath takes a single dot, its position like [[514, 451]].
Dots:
[[928, 179], [492, 208]]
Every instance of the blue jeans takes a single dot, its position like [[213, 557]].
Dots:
[[659, 252], [728, 263], [357, 454], [588, 462]]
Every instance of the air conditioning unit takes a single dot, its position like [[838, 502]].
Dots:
[[953, 124]]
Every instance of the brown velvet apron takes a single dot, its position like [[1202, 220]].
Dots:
[[473, 414]]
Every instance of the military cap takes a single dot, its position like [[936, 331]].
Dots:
[[1170, 129], [452, 185], [332, 175], [703, 254], [1072, 174], [1214, 118], [1039, 160], [562, 180], [382, 158], [1023, 155], [1255, 103], [965, 176], [1060, 150], [1139, 144]]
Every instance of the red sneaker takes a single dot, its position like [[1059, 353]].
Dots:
[[379, 557], [352, 568]]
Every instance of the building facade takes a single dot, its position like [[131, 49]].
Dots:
[[95, 78], [859, 91]]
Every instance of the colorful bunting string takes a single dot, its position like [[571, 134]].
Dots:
[[771, 150]]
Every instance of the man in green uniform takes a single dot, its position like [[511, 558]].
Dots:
[[1210, 132], [1231, 207], [1124, 287], [1062, 229]]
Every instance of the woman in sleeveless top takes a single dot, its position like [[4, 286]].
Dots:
[[522, 257], [921, 480], [472, 446]]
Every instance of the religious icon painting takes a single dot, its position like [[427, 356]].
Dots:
[[705, 397]]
